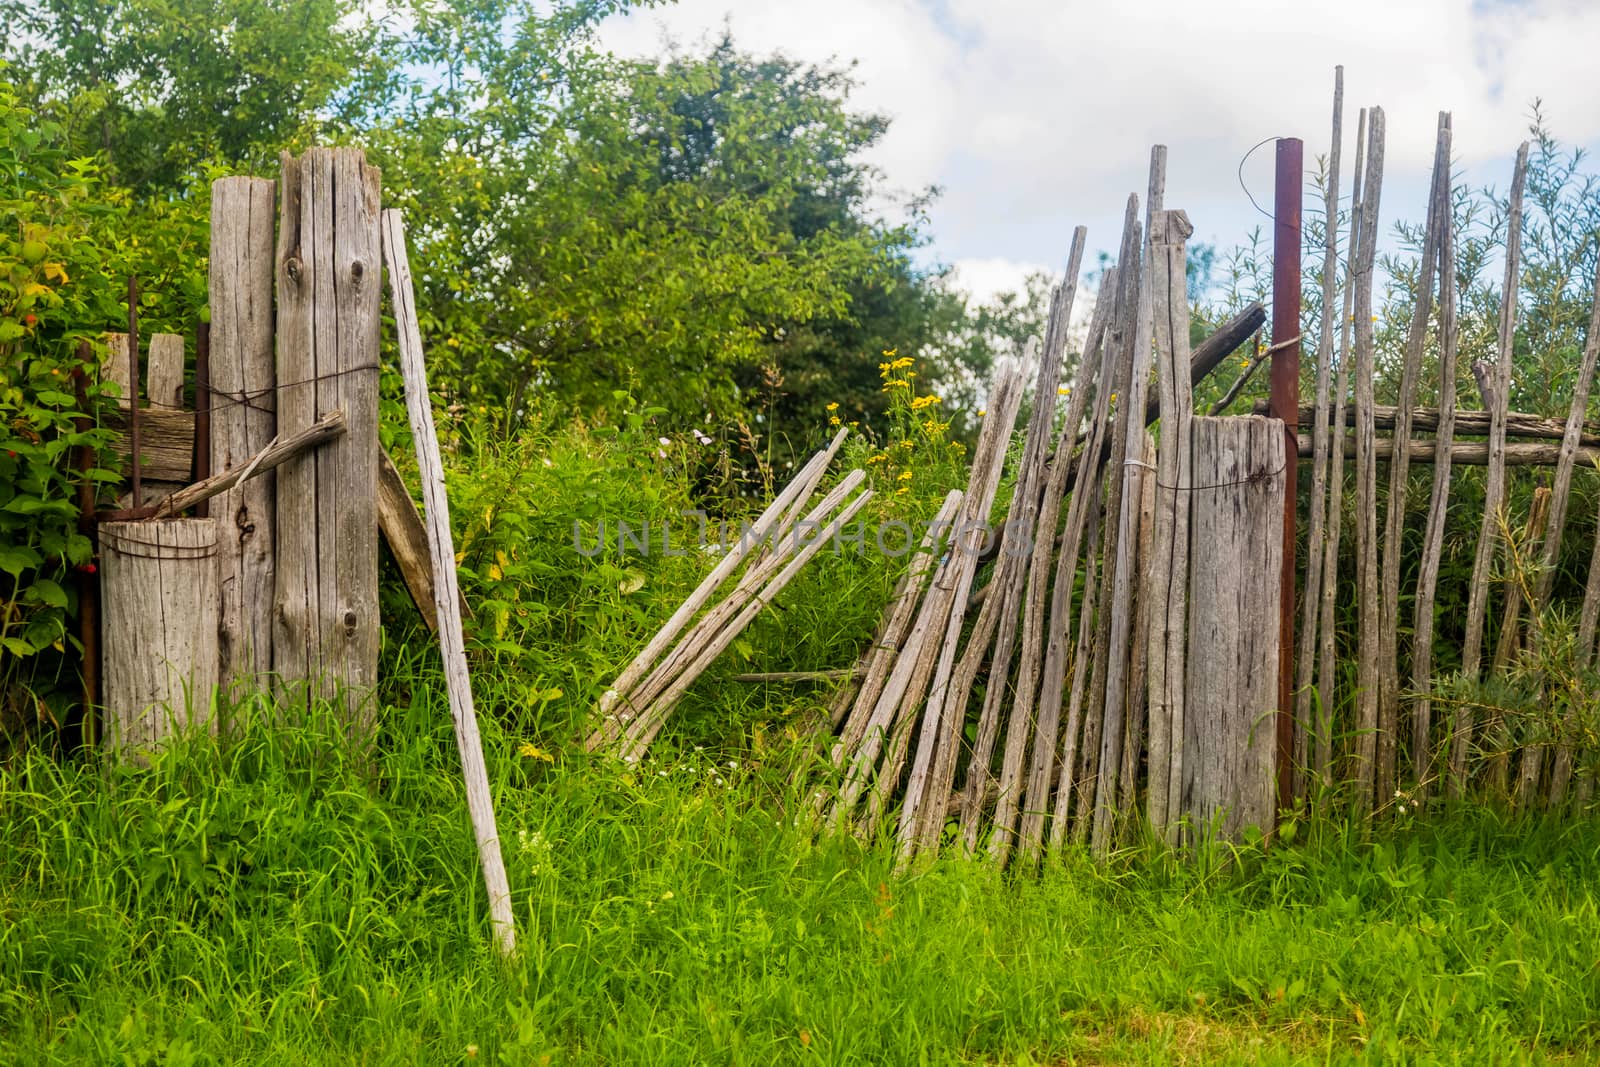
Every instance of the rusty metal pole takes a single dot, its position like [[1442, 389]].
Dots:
[[1285, 405], [88, 579], [133, 389]]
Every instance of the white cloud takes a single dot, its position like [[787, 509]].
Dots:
[[984, 279], [1036, 115]]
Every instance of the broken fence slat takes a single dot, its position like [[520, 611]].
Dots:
[[480, 802]]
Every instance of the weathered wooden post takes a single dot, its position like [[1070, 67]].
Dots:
[[1230, 740], [243, 421], [160, 628], [329, 275]]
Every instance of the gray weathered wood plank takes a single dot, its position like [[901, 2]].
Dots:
[[1230, 744], [329, 282], [243, 422]]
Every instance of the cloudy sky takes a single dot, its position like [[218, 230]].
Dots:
[[1037, 115]]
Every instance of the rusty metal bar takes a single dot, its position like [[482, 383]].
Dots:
[[1285, 404], [88, 580], [200, 469], [133, 387]]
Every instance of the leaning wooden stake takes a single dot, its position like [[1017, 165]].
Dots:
[[650, 721], [1399, 477], [1131, 322], [878, 660], [683, 663], [1316, 530], [1144, 614], [1092, 371], [1368, 637], [480, 804], [898, 696], [1561, 770], [1496, 400], [642, 699], [1083, 519], [1029, 581], [1322, 757], [1163, 228], [1555, 526], [1439, 501], [612, 722], [922, 814], [891, 640]]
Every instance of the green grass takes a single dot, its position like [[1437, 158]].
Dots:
[[267, 901]]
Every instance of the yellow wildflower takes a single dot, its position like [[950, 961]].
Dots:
[[529, 750], [905, 476], [1063, 390], [833, 406], [833, 421], [903, 489], [890, 352]]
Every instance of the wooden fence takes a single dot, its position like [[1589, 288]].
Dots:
[[1177, 630], [272, 586], [1124, 652]]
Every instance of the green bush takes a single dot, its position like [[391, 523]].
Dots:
[[68, 243]]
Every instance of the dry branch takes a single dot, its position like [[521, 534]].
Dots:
[[327, 428]]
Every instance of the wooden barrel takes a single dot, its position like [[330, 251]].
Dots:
[[159, 588]]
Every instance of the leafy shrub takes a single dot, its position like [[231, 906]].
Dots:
[[68, 242]]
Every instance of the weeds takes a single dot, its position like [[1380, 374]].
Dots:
[[260, 899]]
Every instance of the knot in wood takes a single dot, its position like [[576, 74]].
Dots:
[[358, 270], [349, 623], [293, 267]]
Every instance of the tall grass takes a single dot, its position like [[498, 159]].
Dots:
[[264, 899]]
